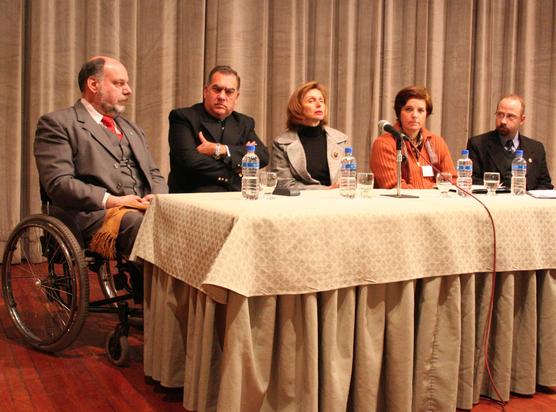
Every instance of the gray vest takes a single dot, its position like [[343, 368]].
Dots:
[[132, 180]]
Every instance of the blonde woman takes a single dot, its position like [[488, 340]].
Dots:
[[307, 155]]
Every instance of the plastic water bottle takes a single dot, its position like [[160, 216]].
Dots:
[[519, 171], [249, 171], [465, 172], [348, 177]]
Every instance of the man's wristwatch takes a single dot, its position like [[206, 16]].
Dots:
[[217, 154]]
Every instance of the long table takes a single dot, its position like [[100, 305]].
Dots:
[[322, 303]]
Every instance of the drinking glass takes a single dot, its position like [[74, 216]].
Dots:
[[491, 180], [443, 183], [365, 183], [268, 182]]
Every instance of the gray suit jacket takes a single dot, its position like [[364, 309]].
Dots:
[[289, 162], [78, 163]]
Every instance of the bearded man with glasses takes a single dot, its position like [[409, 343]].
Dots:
[[494, 151]]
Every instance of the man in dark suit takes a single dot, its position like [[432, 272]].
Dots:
[[208, 140], [494, 151], [91, 159]]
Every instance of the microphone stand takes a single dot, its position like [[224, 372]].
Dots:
[[399, 158]]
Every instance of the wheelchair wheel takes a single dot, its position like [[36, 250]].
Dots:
[[117, 348], [44, 282], [114, 279], [106, 280]]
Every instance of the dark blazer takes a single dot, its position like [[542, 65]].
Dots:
[[191, 171], [488, 155], [78, 163]]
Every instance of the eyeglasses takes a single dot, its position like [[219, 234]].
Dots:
[[510, 116]]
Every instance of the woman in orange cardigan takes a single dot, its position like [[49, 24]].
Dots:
[[425, 154]]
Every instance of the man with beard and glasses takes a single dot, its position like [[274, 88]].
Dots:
[[209, 139], [92, 160], [495, 150]]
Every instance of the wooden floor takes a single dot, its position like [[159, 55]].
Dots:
[[81, 378]]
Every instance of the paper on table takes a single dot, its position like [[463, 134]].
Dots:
[[542, 194]]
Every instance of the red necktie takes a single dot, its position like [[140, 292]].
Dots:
[[109, 123]]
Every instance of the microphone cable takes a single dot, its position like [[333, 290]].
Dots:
[[488, 322]]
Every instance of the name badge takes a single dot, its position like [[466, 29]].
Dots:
[[427, 171]]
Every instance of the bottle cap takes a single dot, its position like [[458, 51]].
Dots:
[[465, 152], [519, 153], [250, 148], [348, 150]]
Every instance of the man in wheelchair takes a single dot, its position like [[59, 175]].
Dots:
[[91, 159], [95, 173]]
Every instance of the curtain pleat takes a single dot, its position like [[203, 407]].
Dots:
[[11, 115]]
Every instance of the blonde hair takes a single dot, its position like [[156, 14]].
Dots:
[[295, 105]]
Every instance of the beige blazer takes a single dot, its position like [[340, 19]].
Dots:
[[289, 162]]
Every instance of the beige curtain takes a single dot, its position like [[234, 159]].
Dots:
[[468, 53]]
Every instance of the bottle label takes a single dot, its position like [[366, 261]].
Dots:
[[465, 167], [349, 166], [250, 164], [519, 167]]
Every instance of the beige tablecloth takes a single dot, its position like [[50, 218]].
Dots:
[[319, 241], [397, 335]]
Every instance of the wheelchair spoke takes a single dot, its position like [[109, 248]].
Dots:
[[29, 265], [30, 275], [54, 289], [55, 297]]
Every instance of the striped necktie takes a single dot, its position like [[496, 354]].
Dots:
[[509, 146]]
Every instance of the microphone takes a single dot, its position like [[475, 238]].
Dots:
[[385, 126]]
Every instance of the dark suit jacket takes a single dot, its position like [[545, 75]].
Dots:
[[487, 154], [78, 163], [191, 171]]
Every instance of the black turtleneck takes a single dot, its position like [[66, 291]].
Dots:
[[313, 140]]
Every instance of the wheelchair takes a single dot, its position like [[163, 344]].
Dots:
[[45, 286]]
